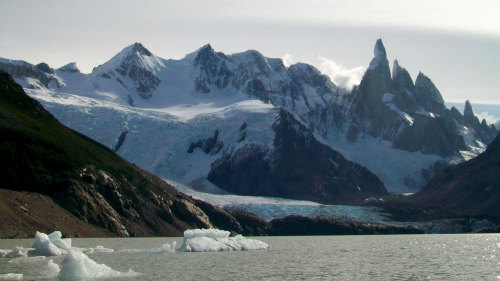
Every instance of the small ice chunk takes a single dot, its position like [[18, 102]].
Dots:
[[163, 249], [4, 253], [98, 249], [77, 265], [50, 270], [11, 276], [209, 240], [17, 252], [44, 247], [21, 260]]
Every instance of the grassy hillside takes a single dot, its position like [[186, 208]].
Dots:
[[40, 154]]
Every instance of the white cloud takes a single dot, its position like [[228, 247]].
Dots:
[[341, 75], [288, 60], [490, 119]]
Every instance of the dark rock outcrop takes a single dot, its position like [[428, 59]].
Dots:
[[143, 78], [298, 167], [485, 132], [210, 145], [411, 116]]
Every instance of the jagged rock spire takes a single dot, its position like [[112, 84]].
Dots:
[[427, 89], [468, 110], [379, 50]]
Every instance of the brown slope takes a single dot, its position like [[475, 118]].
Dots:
[[470, 189], [82, 181]]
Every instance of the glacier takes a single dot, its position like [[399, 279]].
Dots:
[[270, 208]]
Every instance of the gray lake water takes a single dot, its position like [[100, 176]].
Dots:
[[395, 257]]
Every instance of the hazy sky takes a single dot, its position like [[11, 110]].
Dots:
[[455, 42]]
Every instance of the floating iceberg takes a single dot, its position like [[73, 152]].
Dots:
[[77, 265], [54, 245], [56, 239], [210, 240], [163, 249], [17, 252], [43, 246], [50, 270], [3, 253], [11, 276]]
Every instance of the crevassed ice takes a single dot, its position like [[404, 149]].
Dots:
[[211, 240]]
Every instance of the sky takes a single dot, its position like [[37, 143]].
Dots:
[[454, 42]]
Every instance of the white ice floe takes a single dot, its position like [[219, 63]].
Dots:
[[22, 260], [50, 270], [54, 245], [163, 249], [211, 240], [97, 250], [43, 246], [77, 265], [11, 276], [56, 239], [17, 252], [3, 253]]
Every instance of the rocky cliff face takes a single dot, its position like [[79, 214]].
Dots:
[[32, 76], [412, 116], [298, 166]]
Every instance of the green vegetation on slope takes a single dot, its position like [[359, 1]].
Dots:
[[40, 154]]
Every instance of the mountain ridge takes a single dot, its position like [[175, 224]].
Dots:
[[386, 108]]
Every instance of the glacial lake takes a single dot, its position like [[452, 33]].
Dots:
[[385, 257]]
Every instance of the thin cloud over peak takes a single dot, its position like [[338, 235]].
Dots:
[[342, 76]]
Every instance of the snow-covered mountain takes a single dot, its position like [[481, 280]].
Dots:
[[253, 126]]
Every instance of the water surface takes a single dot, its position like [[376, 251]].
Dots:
[[387, 257]]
